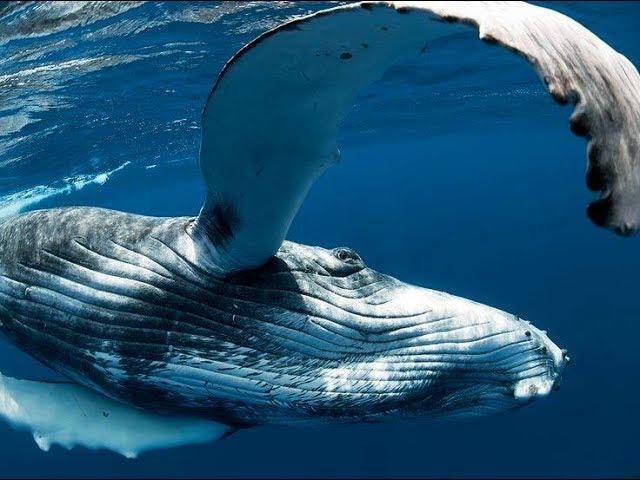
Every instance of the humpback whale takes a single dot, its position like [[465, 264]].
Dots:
[[216, 323]]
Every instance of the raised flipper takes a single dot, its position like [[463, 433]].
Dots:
[[68, 414], [271, 121]]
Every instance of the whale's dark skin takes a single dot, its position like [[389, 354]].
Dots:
[[111, 300]]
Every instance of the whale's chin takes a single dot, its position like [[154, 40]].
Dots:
[[483, 399]]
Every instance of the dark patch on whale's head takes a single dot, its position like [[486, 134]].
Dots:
[[226, 219], [221, 223]]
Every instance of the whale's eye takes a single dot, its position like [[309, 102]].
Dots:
[[347, 255]]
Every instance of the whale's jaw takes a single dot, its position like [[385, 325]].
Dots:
[[116, 302]]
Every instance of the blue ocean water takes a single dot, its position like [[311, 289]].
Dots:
[[458, 173]]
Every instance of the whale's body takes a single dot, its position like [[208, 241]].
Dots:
[[218, 317], [115, 302]]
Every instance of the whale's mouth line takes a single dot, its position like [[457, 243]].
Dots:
[[460, 399]]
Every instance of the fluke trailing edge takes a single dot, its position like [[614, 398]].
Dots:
[[218, 317]]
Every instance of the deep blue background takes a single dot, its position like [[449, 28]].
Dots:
[[458, 173]]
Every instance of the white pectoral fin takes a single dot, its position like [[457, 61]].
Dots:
[[271, 121], [68, 414]]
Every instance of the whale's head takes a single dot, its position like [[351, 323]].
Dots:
[[366, 345]]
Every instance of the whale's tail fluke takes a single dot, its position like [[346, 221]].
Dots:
[[68, 414]]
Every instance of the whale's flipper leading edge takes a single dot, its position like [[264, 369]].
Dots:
[[69, 414], [271, 120]]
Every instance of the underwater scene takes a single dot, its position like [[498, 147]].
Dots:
[[232, 325]]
